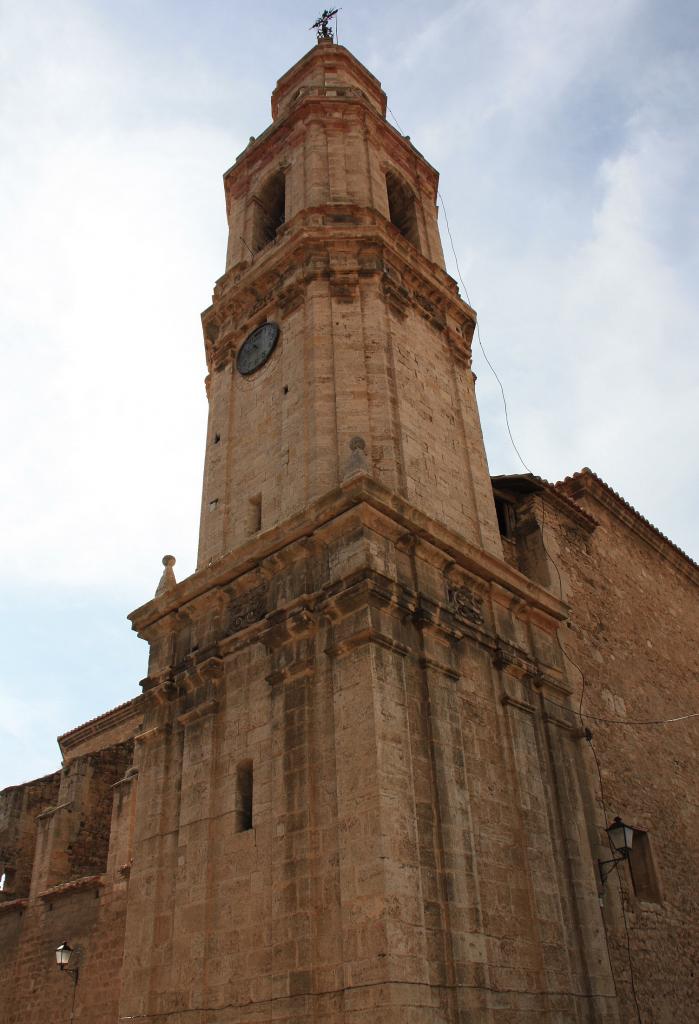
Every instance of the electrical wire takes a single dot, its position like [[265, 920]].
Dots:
[[478, 329], [566, 655], [456, 987], [582, 716], [480, 341], [548, 554], [552, 560], [625, 721], [622, 895]]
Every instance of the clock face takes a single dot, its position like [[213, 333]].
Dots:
[[257, 348]]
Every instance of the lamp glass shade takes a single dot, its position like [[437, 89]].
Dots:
[[621, 836], [63, 954]]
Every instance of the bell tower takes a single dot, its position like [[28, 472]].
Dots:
[[333, 239], [356, 801]]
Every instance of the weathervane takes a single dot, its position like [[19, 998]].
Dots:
[[322, 25]]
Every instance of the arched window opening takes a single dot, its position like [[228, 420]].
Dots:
[[505, 511], [270, 211], [402, 208], [243, 801], [7, 881]]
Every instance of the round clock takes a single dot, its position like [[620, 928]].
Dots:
[[257, 348]]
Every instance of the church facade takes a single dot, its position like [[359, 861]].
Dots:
[[386, 723]]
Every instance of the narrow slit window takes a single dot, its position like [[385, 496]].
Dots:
[[402, 208], [244, 794], [270, 211], [255, 514]]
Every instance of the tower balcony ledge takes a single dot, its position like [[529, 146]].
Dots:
[[316, 100], [341, 244], [389, 514], [336, 224]]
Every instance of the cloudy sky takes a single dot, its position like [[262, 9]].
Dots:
[[566, 136]]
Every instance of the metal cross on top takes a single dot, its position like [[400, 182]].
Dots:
[[322, 25]]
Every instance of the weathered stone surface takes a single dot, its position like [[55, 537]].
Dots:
[[632, 636], [354, 787]]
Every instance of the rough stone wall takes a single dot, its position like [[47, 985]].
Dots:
[[408, 855], [345, 367], [19, 807], [90, 843], [73, 836], [32, 989], [443, 466], [633, 628], [75, 859]]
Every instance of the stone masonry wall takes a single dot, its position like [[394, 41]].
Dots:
[[633, 628], [74, 887], [409, 855], [32, 989], [19, 807]]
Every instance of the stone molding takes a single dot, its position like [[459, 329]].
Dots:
[[386, 512], [50, 811], [280, 274], [195, 714], [102, 723], [10, 905], [76, 885], [340, 56]]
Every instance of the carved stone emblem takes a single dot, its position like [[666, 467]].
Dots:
[[466, 604], [248, 608]]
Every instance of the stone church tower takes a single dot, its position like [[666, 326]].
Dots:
[[354, 801], [354, 788]]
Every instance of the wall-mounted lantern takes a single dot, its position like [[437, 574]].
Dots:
[[620, 841], [63, 956]]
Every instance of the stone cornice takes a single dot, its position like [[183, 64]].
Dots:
[[340, 56], [103, 723], [77, 885], [342, 248], [318, 99], [18, 904], [387, 511]]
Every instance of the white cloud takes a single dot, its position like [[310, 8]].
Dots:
[[114, 225]]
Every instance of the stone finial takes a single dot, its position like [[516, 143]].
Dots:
[[357, 462], [167, 580]]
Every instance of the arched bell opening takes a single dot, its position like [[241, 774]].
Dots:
[[402, 208], [270, 211]]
